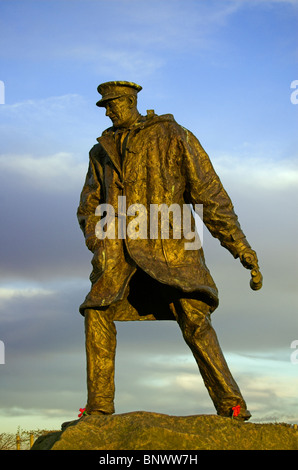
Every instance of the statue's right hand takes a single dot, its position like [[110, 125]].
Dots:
[[249, 259]]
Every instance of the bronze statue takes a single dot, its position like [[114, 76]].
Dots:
[[141, 163]]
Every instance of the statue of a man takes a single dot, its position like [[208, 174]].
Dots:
[[140, 165]]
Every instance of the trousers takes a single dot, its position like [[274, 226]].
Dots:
[[194, 319]]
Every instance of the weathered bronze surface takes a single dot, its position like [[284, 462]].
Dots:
[[154, 431], [138, 164]]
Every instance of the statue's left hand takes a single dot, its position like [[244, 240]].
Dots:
[[249, 260]]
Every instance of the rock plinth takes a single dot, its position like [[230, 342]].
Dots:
[[142, 430]]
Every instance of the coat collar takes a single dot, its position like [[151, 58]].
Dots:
[[107, 139]]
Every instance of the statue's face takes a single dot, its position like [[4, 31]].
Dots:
[[120, 111]]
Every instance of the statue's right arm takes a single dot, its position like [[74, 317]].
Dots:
[[91, 197]]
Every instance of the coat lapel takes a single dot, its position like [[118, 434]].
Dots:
[[108, 143]]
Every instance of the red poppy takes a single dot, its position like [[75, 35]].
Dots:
[[236, 410], [83, 412]]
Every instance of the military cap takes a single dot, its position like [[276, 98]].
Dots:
[[112, 90]]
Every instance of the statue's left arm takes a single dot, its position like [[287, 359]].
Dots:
[[204, 187]]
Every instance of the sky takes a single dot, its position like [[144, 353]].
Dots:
[[224, 69]]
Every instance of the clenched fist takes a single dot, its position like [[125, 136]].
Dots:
[[249, 260]]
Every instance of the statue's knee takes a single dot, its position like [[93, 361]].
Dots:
[[196, 329]]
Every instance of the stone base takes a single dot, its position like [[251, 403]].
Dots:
[[142, 430]]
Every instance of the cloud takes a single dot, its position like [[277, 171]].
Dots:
[[38, 323], [60, 172], [266, 396], [67, 124], [39, 227], [259, 172], [171, 383], [137, 25], [256, 2], [44, 156], [139, 39], [35, 113], [42, 110], [43, 335], [8, 293], [136, 65]]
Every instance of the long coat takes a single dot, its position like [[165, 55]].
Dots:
[[155, 162]]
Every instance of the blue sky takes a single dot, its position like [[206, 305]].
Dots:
[[224, 69]]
